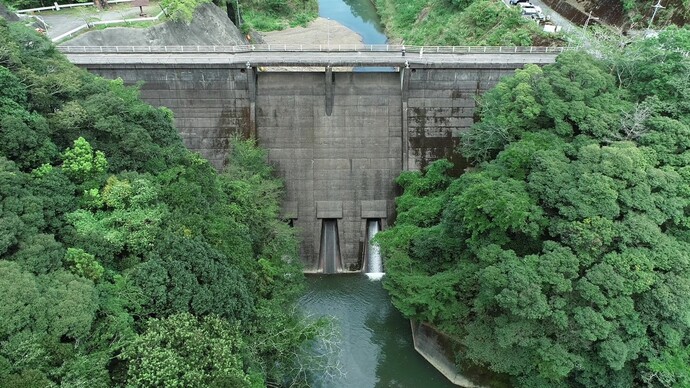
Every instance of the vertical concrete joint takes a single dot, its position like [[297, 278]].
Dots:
[[330, 83], [405, 93], [251, 85]]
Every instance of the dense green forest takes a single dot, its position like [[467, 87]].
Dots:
[[125, 258], [459, 22], [562, 258]]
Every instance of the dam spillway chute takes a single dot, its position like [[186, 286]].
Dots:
[[329, 253], [374, 264]]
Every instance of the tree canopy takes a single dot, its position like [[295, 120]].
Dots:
[[563, 257], [125, 258], [460, 23]]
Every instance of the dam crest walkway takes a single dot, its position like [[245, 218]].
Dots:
[[297, 55]]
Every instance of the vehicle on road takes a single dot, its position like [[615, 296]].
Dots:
[[532, 11], [516, 2]]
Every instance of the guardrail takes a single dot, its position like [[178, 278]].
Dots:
[[421, 50], [57, 7]]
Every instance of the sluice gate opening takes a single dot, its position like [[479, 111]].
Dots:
[[329, 255]]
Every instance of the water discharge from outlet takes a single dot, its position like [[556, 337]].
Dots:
[[329, 255], [374, 264]]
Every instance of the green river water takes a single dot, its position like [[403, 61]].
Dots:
[[376, 347]]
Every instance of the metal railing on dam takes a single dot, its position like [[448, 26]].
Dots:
[[315, 48]]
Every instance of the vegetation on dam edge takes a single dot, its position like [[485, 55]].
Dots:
[[562, 258]]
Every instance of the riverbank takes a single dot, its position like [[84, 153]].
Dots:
[[320, 31]]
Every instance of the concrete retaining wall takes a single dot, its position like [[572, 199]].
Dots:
[[338, 140], [441, 105], [437, 349], [210, 104], [341, 165]]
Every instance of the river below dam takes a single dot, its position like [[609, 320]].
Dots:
[[376, 348]]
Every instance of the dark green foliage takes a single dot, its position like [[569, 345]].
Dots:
[[574, 97], [112, 235], [187, 275], [459, 23], [563, 258]]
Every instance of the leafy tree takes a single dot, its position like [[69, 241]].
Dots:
[[38, 336], [83, 264], [57, 193], [187, 275], [573, 97], [182, 10], [561, 260], [39, 253], [81, 163], [459, 22], [101, 257], [21, 214], [124, 224], [188, 352]]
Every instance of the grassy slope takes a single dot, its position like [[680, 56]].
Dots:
[[438, 22], [272, 15]]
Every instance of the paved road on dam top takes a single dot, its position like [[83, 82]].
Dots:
[[445, 57]]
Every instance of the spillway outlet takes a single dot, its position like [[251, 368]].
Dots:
[[329, 253], [373, 267]]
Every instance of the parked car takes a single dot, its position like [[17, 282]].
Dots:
[[516, 2], [533, 13], [529, 10]]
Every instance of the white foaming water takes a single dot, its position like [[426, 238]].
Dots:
[[374, 263], [374, 276]]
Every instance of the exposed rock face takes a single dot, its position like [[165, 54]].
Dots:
[[210, 26], [6, 14]]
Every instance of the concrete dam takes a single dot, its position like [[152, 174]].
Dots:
[[337, 138]]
